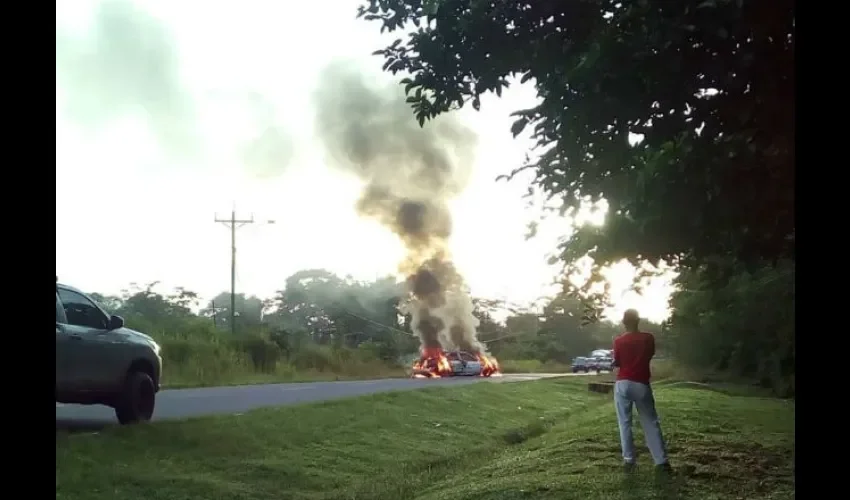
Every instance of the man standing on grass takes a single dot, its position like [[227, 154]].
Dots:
[[633, 350]]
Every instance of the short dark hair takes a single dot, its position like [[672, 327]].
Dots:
[[631, 317]]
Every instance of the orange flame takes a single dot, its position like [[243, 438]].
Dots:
[[433, 363], [490, 366]]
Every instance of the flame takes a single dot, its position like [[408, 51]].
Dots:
[[490, 367], [433, 363]]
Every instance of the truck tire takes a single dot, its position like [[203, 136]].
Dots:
[[137, 402]]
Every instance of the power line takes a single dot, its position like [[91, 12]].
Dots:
[[233, 224], [376, 323]]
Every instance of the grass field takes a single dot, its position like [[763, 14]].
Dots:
[[548, 440], [532, 366]]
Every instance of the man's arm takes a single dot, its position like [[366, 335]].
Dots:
[[616, 363]]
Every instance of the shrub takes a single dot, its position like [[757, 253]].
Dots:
[[263, 353]]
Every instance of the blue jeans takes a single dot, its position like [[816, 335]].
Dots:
[[626, 394]]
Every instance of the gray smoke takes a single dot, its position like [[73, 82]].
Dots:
[[410, 174], [128, 65], [272, 149]]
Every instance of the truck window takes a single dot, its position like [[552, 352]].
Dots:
[[80, 311], [60, 312]]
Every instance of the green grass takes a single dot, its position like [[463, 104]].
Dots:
[[532, 366], [548, 439]]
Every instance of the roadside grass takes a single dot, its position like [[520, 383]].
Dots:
[[668, 372], [489, 441], [532, 366]]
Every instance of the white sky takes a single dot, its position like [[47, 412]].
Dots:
[[126, 213]]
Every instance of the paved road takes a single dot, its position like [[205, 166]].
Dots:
[[183, 403]]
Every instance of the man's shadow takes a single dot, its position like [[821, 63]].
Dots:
[[668, 487]]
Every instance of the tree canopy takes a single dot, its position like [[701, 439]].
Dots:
[[680, 115], [318, 307], [707, 85]]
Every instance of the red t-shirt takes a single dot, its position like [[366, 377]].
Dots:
[[632, 354]]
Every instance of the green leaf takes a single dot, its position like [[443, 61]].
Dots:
[[518, 126], [429, 7]]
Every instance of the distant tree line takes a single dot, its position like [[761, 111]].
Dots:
[[317, 307]]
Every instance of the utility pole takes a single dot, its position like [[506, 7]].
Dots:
[[233, 224]]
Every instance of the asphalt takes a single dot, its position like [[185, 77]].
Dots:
[[186, 403]]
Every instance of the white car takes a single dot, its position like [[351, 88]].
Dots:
[[464, 364]]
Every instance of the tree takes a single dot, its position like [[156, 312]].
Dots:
[[728, 318], [563, 335], [143, 307], [708, 84], [111, 303], [249, 310], [300, 306], [489, 330], [344, 311]]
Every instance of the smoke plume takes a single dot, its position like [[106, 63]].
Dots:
[[410, 174], [272, 149], [127, 64]]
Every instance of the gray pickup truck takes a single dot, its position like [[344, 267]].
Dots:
[[100, 361]]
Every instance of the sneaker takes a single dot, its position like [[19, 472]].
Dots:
[[629, 467]]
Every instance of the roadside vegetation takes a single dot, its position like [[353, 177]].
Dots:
[[323, 327], [546, 439]]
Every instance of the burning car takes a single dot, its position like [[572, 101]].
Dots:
[[435, 363]]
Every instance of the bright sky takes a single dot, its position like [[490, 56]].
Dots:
[[129, 210]]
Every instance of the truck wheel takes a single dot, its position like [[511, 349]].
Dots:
[[136, 403]]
